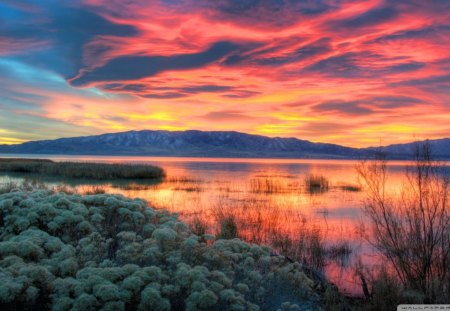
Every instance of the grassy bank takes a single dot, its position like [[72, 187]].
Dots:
[[97, 171], [72, 252]]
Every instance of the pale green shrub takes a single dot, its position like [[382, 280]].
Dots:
[[73, 252]]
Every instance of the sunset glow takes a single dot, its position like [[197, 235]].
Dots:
[[356, 73]]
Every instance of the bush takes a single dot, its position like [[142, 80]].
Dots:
[[412, 231], [130, 256], [228, 228]]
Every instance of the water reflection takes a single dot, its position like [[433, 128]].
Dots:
[[270, 200]]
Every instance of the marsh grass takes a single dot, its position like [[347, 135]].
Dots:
[[26, 184], [265, 185], [183, 180], [189, 189], [8, 187], [228, 222], [185, 183], [133, 186], [96, 171], [34, 185], [262, 222], [350, 188], [198, 226], [228, 189], [317, 184], [272, 185], [228, 228], [340, 253], [275, 176], [95, 190]]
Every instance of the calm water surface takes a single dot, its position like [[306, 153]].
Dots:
[[268, 198]]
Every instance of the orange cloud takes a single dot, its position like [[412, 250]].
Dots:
[[350, 73]]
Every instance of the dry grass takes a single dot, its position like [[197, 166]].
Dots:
[[265, 185]]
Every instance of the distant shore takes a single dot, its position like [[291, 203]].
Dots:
[[97, 171]]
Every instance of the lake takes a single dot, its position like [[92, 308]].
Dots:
[[270, 200]]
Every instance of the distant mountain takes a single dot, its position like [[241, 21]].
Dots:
[[204, 144], [183, 143], [439, 147]]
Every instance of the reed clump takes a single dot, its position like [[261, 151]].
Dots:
[[98, 171], [350, 188], [228, 228], [265, 185], [317, 184]]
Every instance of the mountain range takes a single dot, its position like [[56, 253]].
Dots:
[[194, 143]]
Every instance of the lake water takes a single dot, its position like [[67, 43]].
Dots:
[[269, 200]]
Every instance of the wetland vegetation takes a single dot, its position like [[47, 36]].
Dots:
[[81, 170], [65, 251]]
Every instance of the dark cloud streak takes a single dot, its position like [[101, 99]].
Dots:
[[137, 67], [368, 19]]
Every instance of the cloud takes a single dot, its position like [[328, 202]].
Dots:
[[370, 18], [13, 46], [149, 91], [266, 56], [111, 65], [205, 89], [344, 65], [265, 12], [404, 67], [137, 67], [240, 94], [323, 128], [132, 87], [432, 80], [420, 33], [64, 29], [349, 108], [361, 64], [164, 95], [225, 115], [368, 105], [391, 102]]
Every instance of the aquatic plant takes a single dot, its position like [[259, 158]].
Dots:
[[308, 248], [267, 185], [98, 171], [316, 184], [350, 188], [83, 252]]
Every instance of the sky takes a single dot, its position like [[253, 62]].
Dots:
[[352, 72]]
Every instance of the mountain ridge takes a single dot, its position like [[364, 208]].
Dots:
[[195, 143]]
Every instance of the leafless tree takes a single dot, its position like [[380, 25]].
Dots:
[[412, 230]]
